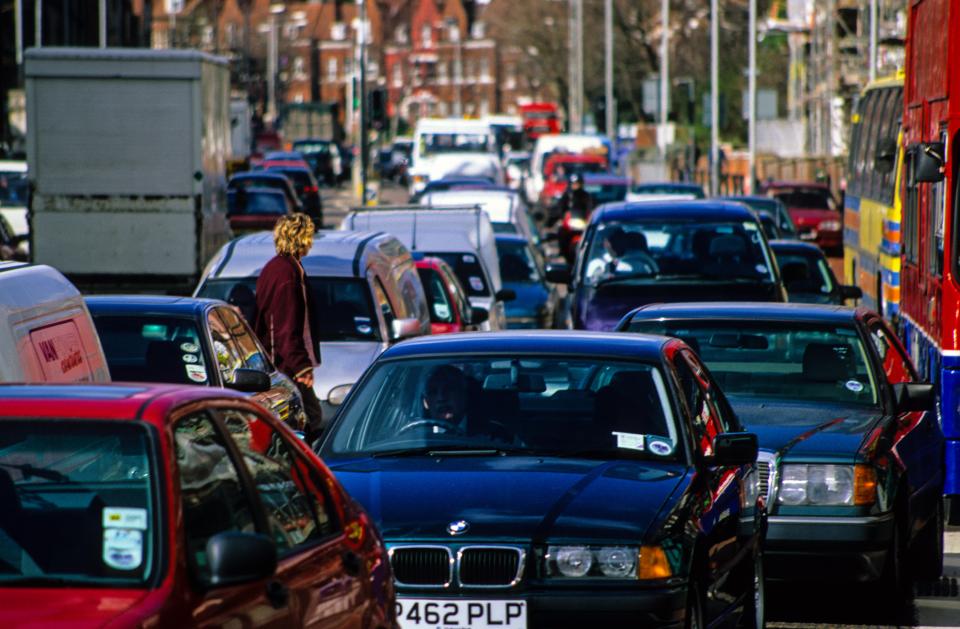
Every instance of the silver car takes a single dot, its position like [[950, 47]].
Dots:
[[365, 295]]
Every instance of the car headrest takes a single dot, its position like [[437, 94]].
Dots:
[[727, 245], [827, 362], [795, 272], [9, 499], [528, 383]]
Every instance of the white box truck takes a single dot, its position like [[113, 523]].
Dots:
[[127, 153]]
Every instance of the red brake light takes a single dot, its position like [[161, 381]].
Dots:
[[311, 189]]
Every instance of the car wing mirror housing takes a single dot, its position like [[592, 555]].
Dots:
[[851, 292], [734, 448], [558, 273], [478, 315], [249, 381], [404, 328], [235, 558], [928, 162], [505, 294], [914, 396]]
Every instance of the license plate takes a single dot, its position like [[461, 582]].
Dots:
[[461, 613]]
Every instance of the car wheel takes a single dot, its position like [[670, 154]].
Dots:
[[953, 510], [694, 613], [927, 551], [895, 583], [755, 607]]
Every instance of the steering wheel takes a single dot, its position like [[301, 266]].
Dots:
[[439, 423]]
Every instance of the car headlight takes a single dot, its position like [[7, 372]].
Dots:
[[338, 394], [577, 223], [822, 484], [615, 562], [829, 226], [420, 179]]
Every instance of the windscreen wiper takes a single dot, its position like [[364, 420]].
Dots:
[[645, 275], [439, 451], [29, 471]]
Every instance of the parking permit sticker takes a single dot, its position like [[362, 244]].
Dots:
[[196, 373], [750, 226], [122, 548], [125, 518], [190, 358], [760, 269], [441, 310], [660, 447], [363, 325], [854, 385], [469, 259], [476, 283], [191, 348], [629, 440]]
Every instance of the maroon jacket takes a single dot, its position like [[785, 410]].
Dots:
[[281, 315]]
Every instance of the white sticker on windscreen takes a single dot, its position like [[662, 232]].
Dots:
[[854, 385], [122, 548], [476, 283], [629, 440], [196, 373], [125, 518], [659, 446]]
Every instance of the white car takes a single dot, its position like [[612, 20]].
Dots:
[[507, 211], [14, 194], [449, 141]]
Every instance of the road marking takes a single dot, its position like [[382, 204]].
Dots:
[[951, 542]]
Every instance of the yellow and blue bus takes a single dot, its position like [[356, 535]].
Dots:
[[871, 220]]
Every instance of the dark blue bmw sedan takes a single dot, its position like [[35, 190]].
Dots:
[[851, 450], [549, 479]]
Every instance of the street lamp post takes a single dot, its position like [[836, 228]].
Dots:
[[102, 17], [872, 57], [272, 62], [752, 99], [664, 77], [364, 139], [714, 99], [608, 69]]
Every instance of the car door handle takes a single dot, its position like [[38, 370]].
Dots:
[[277, 594], [352, 563]]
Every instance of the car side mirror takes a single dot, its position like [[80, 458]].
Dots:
[[886, 155], [235, 558], [851, 292], [249, 381], [928, 162], [914, 396], [558, 273], [539, 216], [734, 448], [478, 316], [505, 294], [404, 328]]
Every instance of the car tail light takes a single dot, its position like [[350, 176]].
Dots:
[[311, 189]]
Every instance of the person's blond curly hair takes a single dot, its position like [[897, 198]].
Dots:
[[293, 235]]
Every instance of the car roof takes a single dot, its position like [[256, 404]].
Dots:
[[507, 237], [604, 178], [575, 157], [752, 311], [693, 209], [795, 184], [285, 165], [260, 174], [126, 401], [498, 204], [258, 190], [585, 344], [334, 254], [796, 246], [148, 304], [666, 185]]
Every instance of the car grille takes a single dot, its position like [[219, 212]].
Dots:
[[421, 565], [763, 469], [766, 474], [489, 567]]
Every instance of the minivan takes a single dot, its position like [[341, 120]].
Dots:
[[365, 295], [46, 333]]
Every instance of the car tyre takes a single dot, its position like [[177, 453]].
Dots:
[[928, 547], [755, 607], [953, 510], [694, 614], [895, 583]]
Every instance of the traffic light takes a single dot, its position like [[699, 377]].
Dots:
[[378, 108]]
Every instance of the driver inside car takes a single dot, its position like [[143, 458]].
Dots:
[[446, 397]]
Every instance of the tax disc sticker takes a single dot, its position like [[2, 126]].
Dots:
[[476, 283], [190, 358], [660, 447], [629, 440], [854, 385], [122, 548], [125, 518], [196, 373], [191, 348], [760, 269], [469, 259], [441, 310]]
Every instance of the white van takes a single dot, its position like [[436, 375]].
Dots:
[[46, 333], [443, 146], [461, 237], [546, 144]]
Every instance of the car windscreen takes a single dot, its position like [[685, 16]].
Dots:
[[251, 202], [606, 192], [435, 143], [312, 147], [808, 199], [14, 188], [563, 170], [806, 276], [79, 504], [667, 189], [341, 308], [141, 348], [469, 270], [516, 263], [775, 209], [298, 176], [537, 404], [677, 249], [803, 362], [441, 310]]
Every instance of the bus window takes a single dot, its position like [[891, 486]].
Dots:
[[853, 185], [864, 166], [872, 128], [892, 108]]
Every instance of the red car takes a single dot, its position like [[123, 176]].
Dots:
[[135, 505], [450, 309], [813, 210], [557, 170]]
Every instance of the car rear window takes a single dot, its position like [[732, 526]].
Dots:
[[467, 268], [299, 177], [341, 308], [806, 275], [152, 348], [14, 188], [251, 202], [811, 199], [78, 504]]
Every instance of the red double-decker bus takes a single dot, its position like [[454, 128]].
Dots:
[[539, 119], [930, 257]]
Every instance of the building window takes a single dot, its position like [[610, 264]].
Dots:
[[484, 69], [231, 35], [484, 108], [207, 36], [442, 109], [298, 68], [332, 70], [479, 30], [398, 74], [442, 72], [426, 36], [338, 31], [400, 34]]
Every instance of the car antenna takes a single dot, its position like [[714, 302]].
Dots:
[[413, 236]]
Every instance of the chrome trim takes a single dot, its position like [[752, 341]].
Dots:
[[521, 563], [773, 475], [854, 520], [450, 560]]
